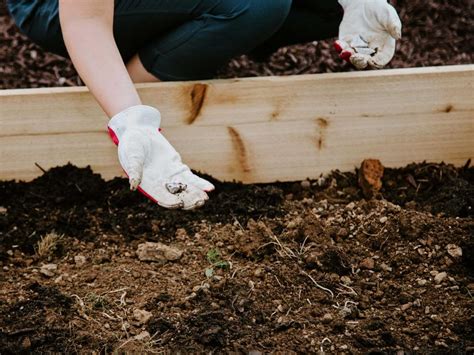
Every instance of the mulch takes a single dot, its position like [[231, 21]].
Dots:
[[436, 32]]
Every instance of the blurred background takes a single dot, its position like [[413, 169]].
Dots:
[[436, 32]]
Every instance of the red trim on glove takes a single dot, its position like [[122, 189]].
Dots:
[[346, 55], [115, 139], [337, 47], [113, 136], [146, 195]]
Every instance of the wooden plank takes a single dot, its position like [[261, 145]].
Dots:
[[258, 129]]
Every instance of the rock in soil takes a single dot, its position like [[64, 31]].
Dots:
[[454, 250], [49, 270], [158, 252], [142, 316], [440, 277], [367, 263], [80, 260], [370, 177]]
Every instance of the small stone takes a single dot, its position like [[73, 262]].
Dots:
[[383, 219], [292, 225], [427, 310], [421, 282], [405, 306], [350, 206], [142, 336], [346, 280], [48, 270], [367, 263], [385, 267], [439, 278], [158, 252], [80, 260], [306, 184], [342, 232], [441, 343], [142, 316], [327, 318], [454, 250], [26, 343], [258, 272], [181, 234], [280, 308], [307, 201]]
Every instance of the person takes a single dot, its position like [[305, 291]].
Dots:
[[113, 44]]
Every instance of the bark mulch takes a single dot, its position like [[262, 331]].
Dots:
[[436, 32]]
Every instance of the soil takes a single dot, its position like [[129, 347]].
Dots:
[[303, 267]]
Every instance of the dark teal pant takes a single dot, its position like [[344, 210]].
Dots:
[[192, 39]]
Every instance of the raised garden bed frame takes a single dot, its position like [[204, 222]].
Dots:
[[257, 130]]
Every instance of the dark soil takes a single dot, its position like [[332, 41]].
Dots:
[[297, 263], [436, 32]]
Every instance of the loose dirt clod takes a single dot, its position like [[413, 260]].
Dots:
[[158, 252], [370, 177], [440, 277], [48, 270], [142, 316], [367, 263], [454, 250]]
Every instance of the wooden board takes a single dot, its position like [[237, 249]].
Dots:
[[257, 129]]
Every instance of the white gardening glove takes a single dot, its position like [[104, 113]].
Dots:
[[153, 166], [368, 32]]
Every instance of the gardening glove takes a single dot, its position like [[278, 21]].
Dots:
[[152, 165], [368, 32]]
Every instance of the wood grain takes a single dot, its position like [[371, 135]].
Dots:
[[257, 129]]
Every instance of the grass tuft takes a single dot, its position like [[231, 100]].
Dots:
[[48, 244]]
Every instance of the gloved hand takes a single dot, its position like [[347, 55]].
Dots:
[[151, 163], [368, 32]]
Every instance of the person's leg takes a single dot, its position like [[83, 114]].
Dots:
[[308, 20], [218, 31], [175, 40], [138, 73]]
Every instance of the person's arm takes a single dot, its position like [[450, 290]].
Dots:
[[151, 163], [87, 28]]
